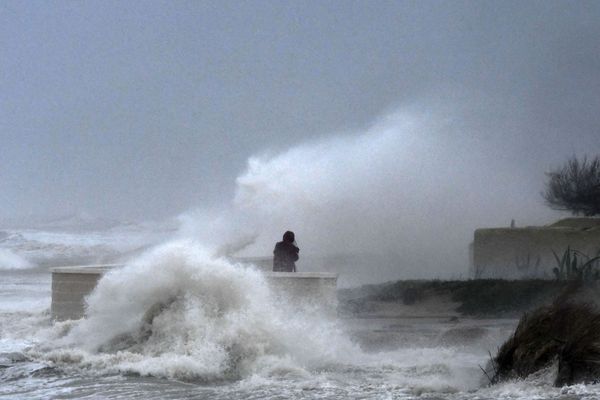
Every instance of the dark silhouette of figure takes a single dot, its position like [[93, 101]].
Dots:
[[286, 254]]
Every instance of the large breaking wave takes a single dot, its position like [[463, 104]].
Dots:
[[179, 312]]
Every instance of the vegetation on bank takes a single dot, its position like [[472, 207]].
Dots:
[[482, 297], [576, 266]]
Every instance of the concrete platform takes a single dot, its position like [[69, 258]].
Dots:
[[70, 286]]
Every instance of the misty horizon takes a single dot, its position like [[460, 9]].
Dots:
[[391, 128], [135, 112]]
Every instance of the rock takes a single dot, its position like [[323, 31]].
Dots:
[[565, 332]]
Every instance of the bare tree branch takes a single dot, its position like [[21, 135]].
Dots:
[[575, 187]]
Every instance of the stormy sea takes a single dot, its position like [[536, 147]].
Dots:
[[222, 335]]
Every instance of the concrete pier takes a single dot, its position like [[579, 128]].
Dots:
[[70, 286]]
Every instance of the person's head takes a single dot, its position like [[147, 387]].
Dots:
[[289, 237]]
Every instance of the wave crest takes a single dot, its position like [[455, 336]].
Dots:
[[10, 260], [177, 312]]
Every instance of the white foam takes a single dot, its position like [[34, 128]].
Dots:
[[10, 261], [218, 320]]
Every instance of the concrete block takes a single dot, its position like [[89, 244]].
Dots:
[[70, 286]]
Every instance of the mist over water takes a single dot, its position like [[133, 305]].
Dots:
[[404, 196]]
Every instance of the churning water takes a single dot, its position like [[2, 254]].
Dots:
[[176, 323]]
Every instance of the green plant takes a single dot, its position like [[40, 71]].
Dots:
[[575, 265]]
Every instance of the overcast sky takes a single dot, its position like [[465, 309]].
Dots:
[[145, 109]]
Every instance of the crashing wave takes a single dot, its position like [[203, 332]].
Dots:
[[178, 312], [12, 261]]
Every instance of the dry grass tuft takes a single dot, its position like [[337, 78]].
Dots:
[[566, 332]]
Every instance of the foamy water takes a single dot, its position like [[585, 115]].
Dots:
[[178, 323], [208, 320], [10, 260]]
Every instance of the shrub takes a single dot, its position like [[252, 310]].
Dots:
[[575, 187]]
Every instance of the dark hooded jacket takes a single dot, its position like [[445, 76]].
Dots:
[[285, 254]]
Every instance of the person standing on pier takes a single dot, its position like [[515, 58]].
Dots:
[[285, 254]]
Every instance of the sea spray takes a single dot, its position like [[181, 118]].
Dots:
[[385, 196], [179, 312], [11, 261]]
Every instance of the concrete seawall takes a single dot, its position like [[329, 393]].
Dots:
[[517, 253], [70, 286]]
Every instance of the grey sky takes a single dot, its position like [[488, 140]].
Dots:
[[141, 110]]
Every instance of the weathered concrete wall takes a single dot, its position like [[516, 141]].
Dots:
[[515, 253], [316, 288], [70, 286]]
